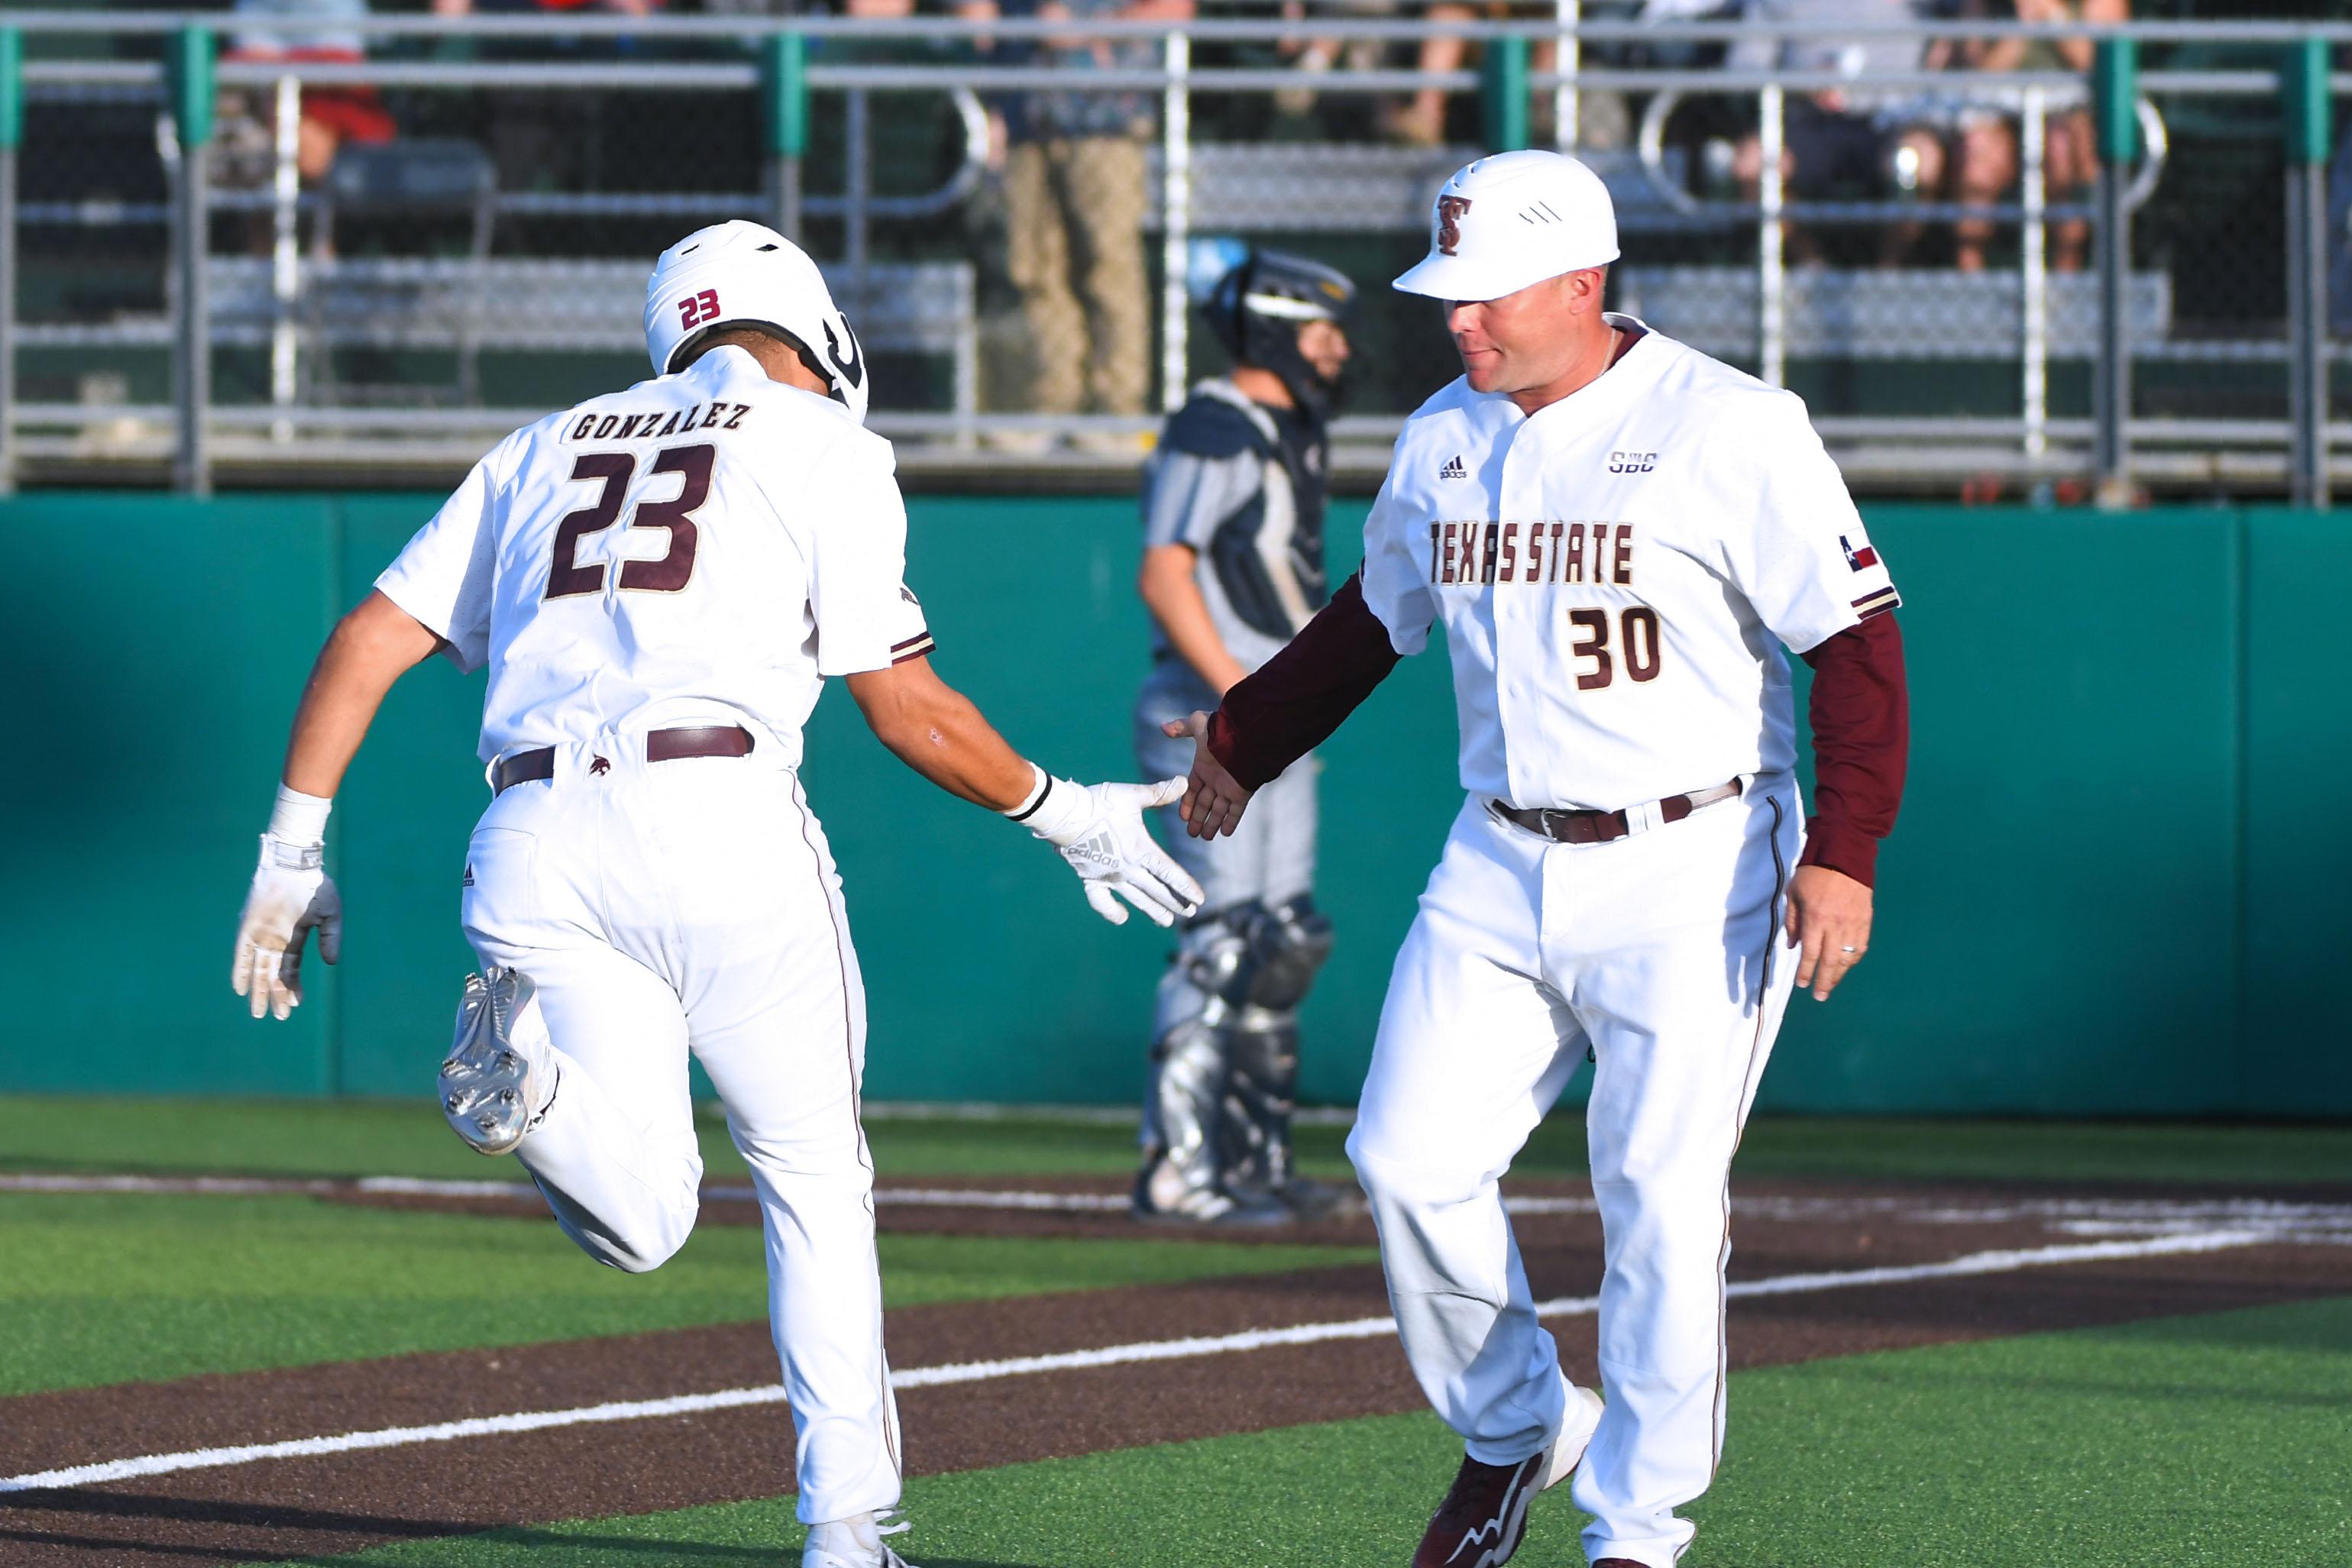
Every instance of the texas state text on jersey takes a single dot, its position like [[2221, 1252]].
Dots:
[[1618, 574]]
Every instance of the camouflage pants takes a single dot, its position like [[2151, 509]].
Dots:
[[1076, 210]]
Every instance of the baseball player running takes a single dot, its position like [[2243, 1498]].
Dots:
[[1233, 566], [1618, 536], [659, 581]]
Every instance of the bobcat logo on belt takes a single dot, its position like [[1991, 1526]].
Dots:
[[1449, 223]]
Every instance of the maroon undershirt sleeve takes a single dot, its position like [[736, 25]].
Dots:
[[1271, 718], [1861, 741]]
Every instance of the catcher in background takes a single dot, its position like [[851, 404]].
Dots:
[[1233, 566]]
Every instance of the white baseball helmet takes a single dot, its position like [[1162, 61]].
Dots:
[[739, 273]]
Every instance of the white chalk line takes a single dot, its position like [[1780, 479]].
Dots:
[[1977, 1263]]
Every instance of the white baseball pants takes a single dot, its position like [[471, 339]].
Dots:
[[693, 906], [1659, 952]]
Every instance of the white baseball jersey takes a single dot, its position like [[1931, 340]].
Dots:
[[702, 548], [1616, 575]]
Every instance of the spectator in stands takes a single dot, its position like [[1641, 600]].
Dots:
[[329, 115], [1075, 199], [541, 140], [1418, 119], [1838, 142], [469, 8], [2070, 146]]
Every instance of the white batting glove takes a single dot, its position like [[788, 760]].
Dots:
[[1099, 831], [291, 892]]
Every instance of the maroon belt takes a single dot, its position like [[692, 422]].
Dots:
[[661, 745], [1601, 827]]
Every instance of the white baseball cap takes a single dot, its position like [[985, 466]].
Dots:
[[739, 273], [1511, 220]]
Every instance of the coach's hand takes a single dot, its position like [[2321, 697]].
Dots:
[[1099, 831], [1213, 799], [1829, 920], [291, 892]]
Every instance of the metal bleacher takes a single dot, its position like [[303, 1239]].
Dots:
[[1921, 314], [466, 305]]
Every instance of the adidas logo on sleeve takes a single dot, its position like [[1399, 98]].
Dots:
[[1453, 469]]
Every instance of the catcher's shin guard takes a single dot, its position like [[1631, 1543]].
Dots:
[[1287, 945], [1184, 1106], [1261, 1083], [1180, 1113]]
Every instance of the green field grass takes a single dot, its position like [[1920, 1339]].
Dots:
[[2207, 1442], [111, 1287], [407, 1138]]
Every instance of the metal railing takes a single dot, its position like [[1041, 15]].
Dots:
[[1708, 264]]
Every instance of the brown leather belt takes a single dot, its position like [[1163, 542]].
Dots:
[[1603, 827], [661, 745]]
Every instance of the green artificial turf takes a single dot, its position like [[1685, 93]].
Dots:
[[403, 1137], [359, 1137], [2205, 1442], [110, 1288]]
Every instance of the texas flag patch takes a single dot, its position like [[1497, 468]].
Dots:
[[1877, 600]]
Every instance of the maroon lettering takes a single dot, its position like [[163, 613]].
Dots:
[[611, 470], [1595, 647], [606, 426], [675, 570], [710, 419], [629, 426], [580, 431], [1535, 553], [741, 410], [1434, 556], [1494, 533], [1445, 560], [1641, 627], [671, 428], [1625, 557], [1572, 569], [1510, 553]]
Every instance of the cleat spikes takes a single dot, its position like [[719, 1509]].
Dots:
[[487, 1085]]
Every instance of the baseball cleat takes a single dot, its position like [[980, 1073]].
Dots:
[[1567, 1450], [489, 1091], [1485, 1517], [854, 1543], [1163, 1197], [1309, 1200]]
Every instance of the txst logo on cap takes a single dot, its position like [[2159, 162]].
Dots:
[[1565, 223], [1449, 223]]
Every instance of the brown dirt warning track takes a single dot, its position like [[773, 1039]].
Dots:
[[1807, 1282]]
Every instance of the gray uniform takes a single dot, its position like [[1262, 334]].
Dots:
[[1243, 485]]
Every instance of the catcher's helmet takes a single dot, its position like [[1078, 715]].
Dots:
[[739, 273], [1257, 309]]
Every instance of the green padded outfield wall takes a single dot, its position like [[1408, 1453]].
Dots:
[[2117, 887]]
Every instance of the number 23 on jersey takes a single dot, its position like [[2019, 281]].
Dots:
[[612, 471]]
